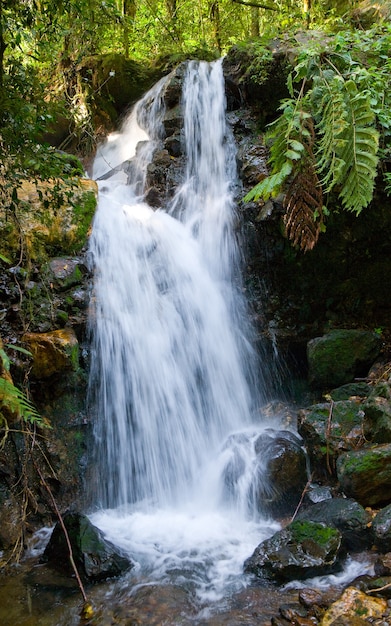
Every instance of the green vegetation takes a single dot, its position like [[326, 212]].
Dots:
[[333, 135], [13, 400], [331, 142]]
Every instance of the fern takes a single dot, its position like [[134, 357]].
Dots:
[[286, 136], [17, 402], [343, 99], [360, 151]]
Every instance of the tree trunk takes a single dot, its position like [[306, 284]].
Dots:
[[215, 17], [254, 22]]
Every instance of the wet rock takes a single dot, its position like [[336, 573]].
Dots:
[[53, 353], [347, 515], [365, 475], [155, 605], [281, 473], [382, 565], [300, 550], [353, 606], [336, 358], [381, 526], [377, 423], [95, 558], [329, 429]]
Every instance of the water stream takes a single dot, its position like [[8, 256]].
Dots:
[[174, 373]]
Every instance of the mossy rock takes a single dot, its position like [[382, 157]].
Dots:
[[51, 218], [377, 423], [94, 556], [301, 550], [327, 429], [338, 357], [365, 475], [54, 353]]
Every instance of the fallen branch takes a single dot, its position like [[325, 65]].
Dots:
[[309, 481]]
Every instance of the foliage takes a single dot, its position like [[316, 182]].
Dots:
[[345, 96], [13, 399]]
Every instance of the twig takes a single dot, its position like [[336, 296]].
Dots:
[[83, 593], [328, 431], [302, 498]]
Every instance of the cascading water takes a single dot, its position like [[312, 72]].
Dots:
[[172, 363]]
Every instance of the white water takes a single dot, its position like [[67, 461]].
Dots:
[[172, 360]]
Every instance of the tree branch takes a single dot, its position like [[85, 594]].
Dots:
[[256, 5]]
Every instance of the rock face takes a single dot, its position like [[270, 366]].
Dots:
[[95, 558], [300, 550]]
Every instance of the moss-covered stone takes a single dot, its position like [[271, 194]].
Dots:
[[53, 353], [366, 475], [302, 549], [95, 557], [51, 218], [339, 356], [327, 430]]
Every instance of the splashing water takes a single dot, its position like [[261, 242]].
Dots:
[[172, 367]]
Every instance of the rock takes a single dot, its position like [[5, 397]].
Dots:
[[53, 353], [377, 423], [365, 475], [95, 558], [328, 429], [381, 527], [52, 220], [347, 515], [352, 607], [340, 356], [382, 565], [351, 390], [300, 550], [281, 474], [279, 470]]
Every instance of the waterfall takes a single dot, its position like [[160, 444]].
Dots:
[[172, 362]]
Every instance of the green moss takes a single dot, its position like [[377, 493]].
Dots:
[[314, 531]]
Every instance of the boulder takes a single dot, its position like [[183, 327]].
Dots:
[[281, 473], [275, 461], [377, 423], [53, 353], [347, 515], [381, 527], [94, 557], [340, 356], [365, 475], [327, 430], [301, 550], [353, 606]]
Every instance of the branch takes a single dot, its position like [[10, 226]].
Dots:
[[256, 5]]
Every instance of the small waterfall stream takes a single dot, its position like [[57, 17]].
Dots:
[[173, 368]]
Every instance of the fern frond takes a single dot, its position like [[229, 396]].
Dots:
[[270, 185], [304, 200], [360, 151], [332, 120], [17, 402]]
